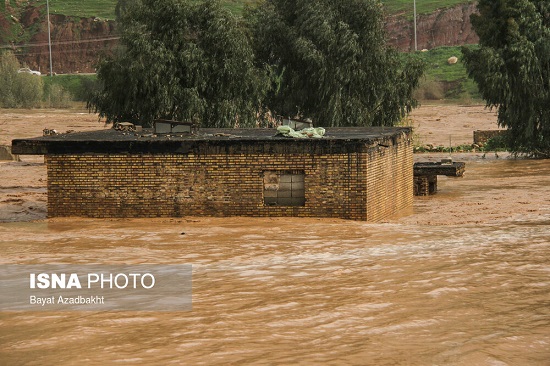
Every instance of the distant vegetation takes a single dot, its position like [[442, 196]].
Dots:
[[511, 67], [18, 90], [77, 85], [445, 81], [23, 90], [106, 8], [405, 7], [441, 81]]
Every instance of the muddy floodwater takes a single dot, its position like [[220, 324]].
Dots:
[[463, 279]]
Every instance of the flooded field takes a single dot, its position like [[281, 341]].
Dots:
[[419, 290], [461, 279]]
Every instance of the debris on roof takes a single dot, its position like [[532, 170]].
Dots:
[[287, 131]]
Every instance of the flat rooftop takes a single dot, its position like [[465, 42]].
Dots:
[[258, 140]]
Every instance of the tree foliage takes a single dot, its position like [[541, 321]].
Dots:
[[181, 60], [18, 90], [512, 69], [329, 61]]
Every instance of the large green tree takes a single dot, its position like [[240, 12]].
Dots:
[[512, 69], [329, 61], [183, 60]]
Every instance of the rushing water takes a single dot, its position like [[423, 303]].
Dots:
[[294, 291]]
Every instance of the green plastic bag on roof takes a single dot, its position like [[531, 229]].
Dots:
[[284, 129], [317, 132]]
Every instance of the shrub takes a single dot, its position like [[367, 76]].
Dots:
[[19, 90], [429, 89], [497, 143], [28, 90], [58, 97]]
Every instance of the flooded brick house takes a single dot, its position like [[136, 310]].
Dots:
[[350, 173]]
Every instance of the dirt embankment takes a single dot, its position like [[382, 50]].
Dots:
[[77, 42], [444, 27], [444, 125]]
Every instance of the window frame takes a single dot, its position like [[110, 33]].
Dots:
[[284, 188]]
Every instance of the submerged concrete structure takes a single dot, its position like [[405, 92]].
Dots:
[[425, 174], [350, 173]]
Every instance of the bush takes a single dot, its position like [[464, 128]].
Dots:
[[78, 86], [429, 89], [58, 97], [8, 71], [29, 90], [19, 90], [497, 143], [89, 86]]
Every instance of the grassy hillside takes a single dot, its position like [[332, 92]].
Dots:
[[442, 81], [405, 7], [106, 8], [445, 81]]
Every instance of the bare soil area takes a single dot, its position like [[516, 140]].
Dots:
[[23, 184], [26, 123], [438, 124], [495, 187]]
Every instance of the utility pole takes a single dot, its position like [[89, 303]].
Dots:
[[415, 42], [49, 36]]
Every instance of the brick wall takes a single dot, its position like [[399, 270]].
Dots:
[[389, 180], [482, 136], [369, 185], [425, 185]]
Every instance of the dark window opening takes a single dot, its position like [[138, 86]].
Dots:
[[284, 188]]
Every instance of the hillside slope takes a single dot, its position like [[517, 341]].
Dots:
[[443, 27], [78, 42], [105, 9]]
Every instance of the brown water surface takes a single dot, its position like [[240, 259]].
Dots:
[[297, 291]]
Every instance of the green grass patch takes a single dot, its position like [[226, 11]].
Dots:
[[443, 80], [406, 8], [77, 85], [105, 9], [237, 6], [438, 67]]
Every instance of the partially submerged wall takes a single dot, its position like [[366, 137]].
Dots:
[[351, 173], [5, 154], [389, 181], [482, 136], [372, 184]]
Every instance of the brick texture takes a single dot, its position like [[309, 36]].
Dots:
[[425, 185], [389, 179], [482, 136], [372, 184]]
